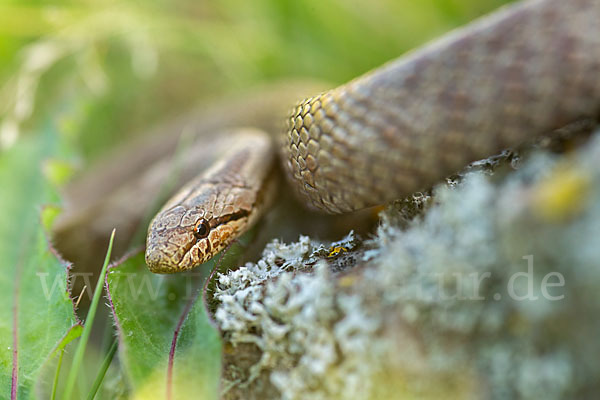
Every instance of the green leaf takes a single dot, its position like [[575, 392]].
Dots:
[[71, 335], [37, 312], [148, 309]]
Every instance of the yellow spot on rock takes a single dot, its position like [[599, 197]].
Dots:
[[562, 195], [347, 281], [334, 251]]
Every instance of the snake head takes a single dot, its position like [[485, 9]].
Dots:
[[184, 236], [213, 210]]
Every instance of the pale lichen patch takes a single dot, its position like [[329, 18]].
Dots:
[[478, 297]]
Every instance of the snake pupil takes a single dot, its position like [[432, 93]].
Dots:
[[202, 229]]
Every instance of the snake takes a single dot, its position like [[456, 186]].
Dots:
[[498, 82]]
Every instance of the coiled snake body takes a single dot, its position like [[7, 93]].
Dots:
[[503, 80]]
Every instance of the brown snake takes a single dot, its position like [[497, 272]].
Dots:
[[501, 81]]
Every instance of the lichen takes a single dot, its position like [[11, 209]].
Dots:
[[491, 292]]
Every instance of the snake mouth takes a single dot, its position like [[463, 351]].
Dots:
[[161, 260], [157, 263]]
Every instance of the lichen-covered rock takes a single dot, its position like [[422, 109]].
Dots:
[[491, 293]]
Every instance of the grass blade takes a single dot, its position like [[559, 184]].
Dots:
[[102, 371], [55, 383], [87, 329]]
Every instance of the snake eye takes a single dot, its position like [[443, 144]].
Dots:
[[202, 229]]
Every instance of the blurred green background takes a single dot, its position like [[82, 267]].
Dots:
[[105, 69], [95, 72]]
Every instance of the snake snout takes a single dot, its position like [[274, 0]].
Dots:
[[163, 259], [166, 248], [158, 262], [168, 241]]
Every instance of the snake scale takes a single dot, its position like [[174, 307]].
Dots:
[[496, 83]]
